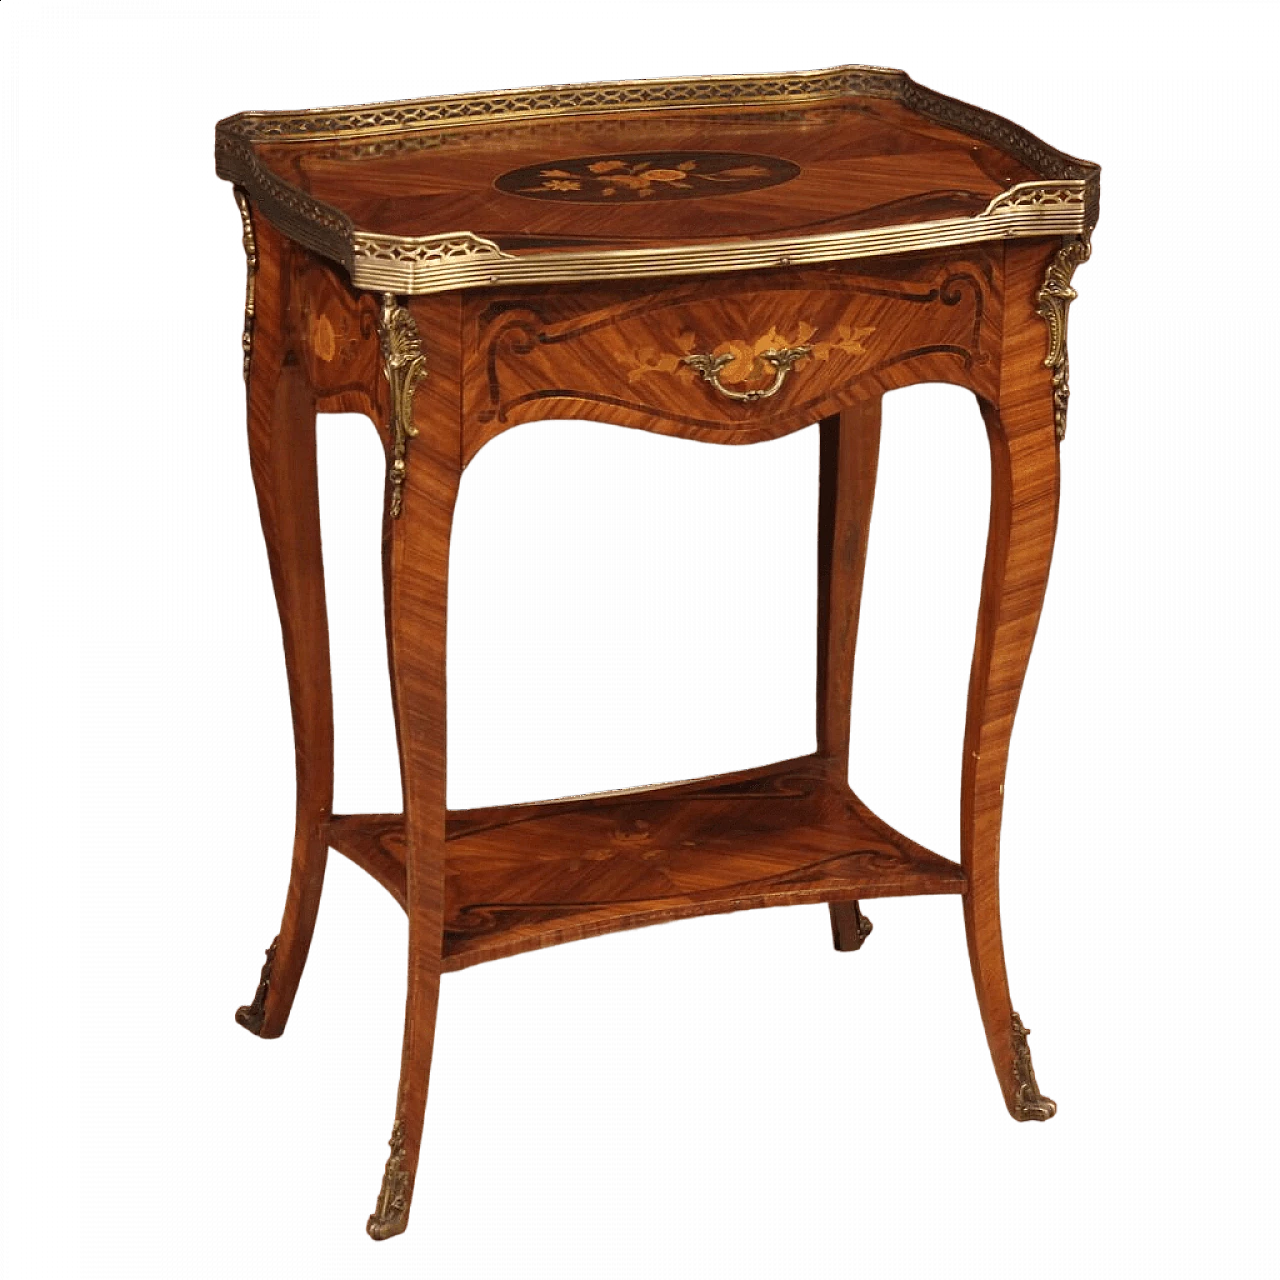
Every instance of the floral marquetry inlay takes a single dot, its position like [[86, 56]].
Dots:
[[660, 175]]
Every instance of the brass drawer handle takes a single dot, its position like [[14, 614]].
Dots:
[[781, 359]]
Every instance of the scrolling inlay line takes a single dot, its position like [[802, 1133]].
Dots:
[[405, 366]]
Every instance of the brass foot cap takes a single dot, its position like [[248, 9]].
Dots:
[[385, 1228], [1040, 1109], [251, 1019]]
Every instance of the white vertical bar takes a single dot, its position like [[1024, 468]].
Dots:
[[31, 467]]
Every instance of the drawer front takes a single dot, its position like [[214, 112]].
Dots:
[[738, 357]]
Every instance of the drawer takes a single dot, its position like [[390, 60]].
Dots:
[[734, 357]]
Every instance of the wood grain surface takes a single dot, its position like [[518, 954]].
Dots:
[[1024, 517], [615, 352], [520, 877], [282, 454]]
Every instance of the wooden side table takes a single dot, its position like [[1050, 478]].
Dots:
[[728, 259]]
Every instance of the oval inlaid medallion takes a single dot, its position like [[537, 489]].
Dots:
[[650, 175]]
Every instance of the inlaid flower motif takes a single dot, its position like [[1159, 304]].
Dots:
[[849, 339], [609, 179]]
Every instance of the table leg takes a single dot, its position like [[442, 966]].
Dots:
[[282, 451], [417, 568], [849, 453], [849, 927], [1024, 513]]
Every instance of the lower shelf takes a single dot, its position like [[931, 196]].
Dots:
[[519, 877]]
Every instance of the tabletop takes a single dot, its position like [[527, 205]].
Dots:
[[640, 178]]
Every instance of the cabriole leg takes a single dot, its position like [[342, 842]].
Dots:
[[849, 453], [420, 506], [1024, 513], [282, 451]]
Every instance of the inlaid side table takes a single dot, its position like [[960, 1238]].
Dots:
[[727, 259]]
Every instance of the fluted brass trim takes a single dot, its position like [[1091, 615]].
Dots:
[[251, 265], [1064, 202], [1030, 1104], [404, 366], [1053, 300]]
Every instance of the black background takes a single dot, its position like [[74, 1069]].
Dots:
[[627, 608]]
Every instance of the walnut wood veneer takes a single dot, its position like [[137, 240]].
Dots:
[[727, 259]]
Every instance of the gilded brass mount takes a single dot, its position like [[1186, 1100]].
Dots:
[[392, 1214], [251, 262], [405, 366], [251, 1016], [1053, 299], [1030, 1103]]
